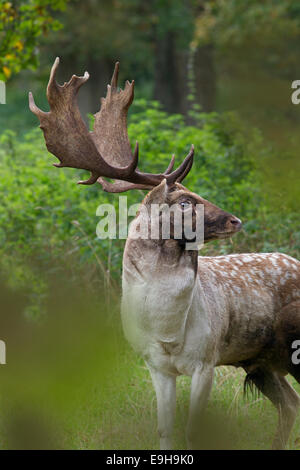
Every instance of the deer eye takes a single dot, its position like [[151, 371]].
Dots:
[[185, 204]]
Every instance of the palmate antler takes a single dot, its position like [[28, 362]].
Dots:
[[105, 152]]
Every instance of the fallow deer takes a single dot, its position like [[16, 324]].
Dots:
[[184, 313]]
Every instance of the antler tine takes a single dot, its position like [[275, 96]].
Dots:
[[114, 78], [52, 77], [33, 107], [186, 171], [170, 166], [183, 169]]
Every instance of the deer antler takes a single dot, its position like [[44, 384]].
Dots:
[[121, 186], [106, 151]]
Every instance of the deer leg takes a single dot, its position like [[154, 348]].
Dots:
[[165, 388], [201, 385], [287, 414], [283, 396]]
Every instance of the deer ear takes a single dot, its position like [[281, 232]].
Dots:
[[158, 194]]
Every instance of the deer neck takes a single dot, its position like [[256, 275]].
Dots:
[[145, 261], [158, 291], [162, 266]]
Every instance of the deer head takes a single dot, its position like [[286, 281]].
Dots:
[[106, 152], [217, 223]]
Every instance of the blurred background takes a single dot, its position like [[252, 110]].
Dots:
[[215, 73]]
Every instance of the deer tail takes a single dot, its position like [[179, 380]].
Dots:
[[254, 383]]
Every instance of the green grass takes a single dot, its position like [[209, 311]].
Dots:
[[127, 420]]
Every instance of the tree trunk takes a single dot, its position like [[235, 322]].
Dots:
[[170, 84], [205, 78], [171, 76]]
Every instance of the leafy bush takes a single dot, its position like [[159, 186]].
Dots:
[[47, 221], [21, 24]]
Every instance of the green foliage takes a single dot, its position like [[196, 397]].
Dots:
[[125, 30], [21, 25], [264, 33], [46, 219], [73, 382]]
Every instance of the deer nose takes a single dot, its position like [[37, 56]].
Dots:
[[236, 223]]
